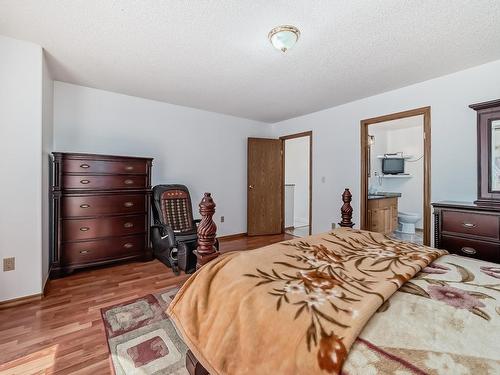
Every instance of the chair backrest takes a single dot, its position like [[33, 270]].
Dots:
[[172, 206]]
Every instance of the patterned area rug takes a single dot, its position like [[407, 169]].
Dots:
[[141, 338]]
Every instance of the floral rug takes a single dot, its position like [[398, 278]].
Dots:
[[142, 339]]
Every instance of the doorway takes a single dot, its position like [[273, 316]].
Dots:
[[395, 175], [297, 197], [271, 209]]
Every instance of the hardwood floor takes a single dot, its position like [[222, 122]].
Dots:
[[63, 333]]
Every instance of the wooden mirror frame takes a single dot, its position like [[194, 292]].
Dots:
[[486, 113]]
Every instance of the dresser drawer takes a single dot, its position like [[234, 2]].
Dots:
[[471, 223], [102, 205], [83, 182], [82, 229], [471, 248], [99, 250], [104, 166]]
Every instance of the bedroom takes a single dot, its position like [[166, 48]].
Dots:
[[187, 84]]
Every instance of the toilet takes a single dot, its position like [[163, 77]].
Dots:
[[407, 221]]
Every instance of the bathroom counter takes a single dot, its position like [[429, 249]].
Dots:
[[383, 195]]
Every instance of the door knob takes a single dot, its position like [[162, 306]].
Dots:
[[251, 187]]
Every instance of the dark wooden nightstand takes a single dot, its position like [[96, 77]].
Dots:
[[467, 229]]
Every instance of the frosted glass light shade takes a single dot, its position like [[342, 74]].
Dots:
[[284, 37]]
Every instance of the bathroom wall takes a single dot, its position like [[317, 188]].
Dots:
[[404, 135], [297, 173]]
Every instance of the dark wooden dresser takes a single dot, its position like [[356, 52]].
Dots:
[[467, 229], [100, 210]]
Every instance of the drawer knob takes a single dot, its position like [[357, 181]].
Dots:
[[129, 168], [128, 245], [128, 182], [469, 225], [84, 252], [128, 225], [84, 166], [468, 250], [85, 182], [85, 205], [84, 229], [128, 204]]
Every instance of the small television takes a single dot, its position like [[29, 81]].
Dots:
[[393, 165]]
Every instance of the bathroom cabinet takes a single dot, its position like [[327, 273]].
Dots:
[[383, 214]]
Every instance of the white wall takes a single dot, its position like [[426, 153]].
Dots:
[[47, 148], [410, 141], [203, 150], [297, 173], [336, 138], [21, 137]]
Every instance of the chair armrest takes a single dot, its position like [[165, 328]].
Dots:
[[162, 235]]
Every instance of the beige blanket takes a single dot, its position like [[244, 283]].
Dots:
[[445, 321], [294, 307]]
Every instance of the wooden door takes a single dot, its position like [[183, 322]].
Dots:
[[264, 186]]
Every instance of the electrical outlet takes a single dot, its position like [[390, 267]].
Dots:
[[9, 264], [333, 225], [222, 219]]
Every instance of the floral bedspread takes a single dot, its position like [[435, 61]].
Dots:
[[446, 321], [298, 306]]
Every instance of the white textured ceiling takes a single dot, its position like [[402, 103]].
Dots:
[[215, 55]]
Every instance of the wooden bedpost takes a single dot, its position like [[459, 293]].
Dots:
[[346, 210], [207, 229]]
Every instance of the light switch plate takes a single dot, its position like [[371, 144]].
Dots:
[[9, 264]]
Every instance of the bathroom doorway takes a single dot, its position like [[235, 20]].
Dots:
[[395, 175], [297, 214]]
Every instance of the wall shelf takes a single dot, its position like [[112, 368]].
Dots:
[[396, 176], [394, 157]]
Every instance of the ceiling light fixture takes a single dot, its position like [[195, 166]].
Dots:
[[284, 37]]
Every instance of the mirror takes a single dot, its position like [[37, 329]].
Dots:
[[488, 152], [495, 156]]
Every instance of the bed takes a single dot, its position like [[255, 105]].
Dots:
[[346, 301]]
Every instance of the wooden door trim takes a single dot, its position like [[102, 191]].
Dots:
[[426, 112], [283, 139]]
